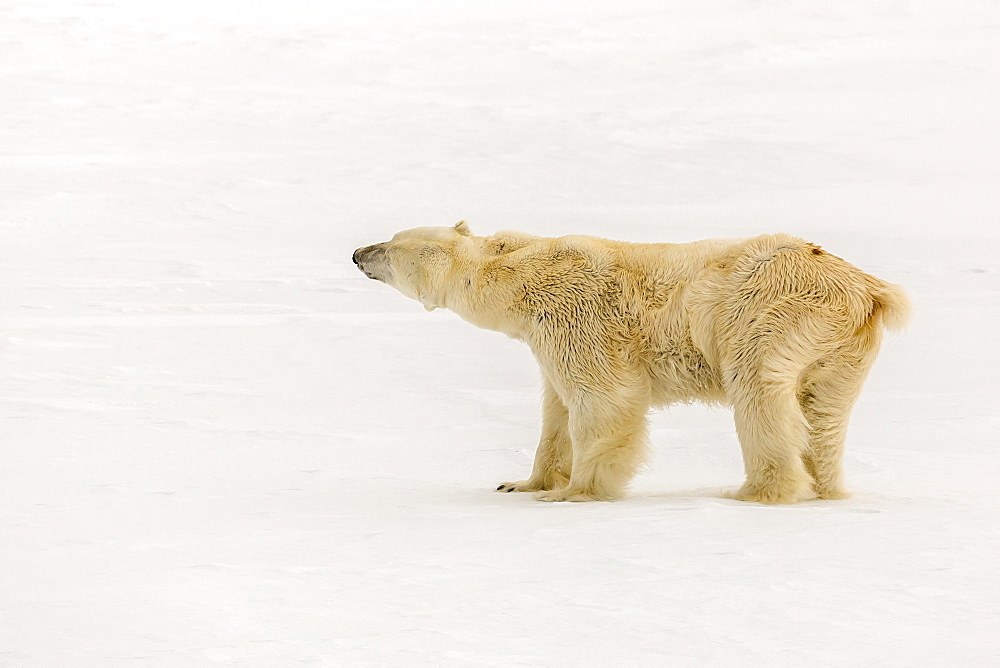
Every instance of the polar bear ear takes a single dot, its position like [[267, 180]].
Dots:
[[462, 228]]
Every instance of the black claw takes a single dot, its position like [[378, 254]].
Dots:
[[500, 488]]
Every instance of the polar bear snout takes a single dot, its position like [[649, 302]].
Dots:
[[371, 260]]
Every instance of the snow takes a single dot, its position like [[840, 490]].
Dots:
[[223, 444]]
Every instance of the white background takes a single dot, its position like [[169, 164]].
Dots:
[[219, 442]]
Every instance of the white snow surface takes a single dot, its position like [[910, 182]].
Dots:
[[223, 444]]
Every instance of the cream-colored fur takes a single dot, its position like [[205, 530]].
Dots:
[[773, 326]]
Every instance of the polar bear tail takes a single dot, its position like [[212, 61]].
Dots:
[[892, 306]]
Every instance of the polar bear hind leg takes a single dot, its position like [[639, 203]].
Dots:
[[762, 381], [773, 433], [827, 395]]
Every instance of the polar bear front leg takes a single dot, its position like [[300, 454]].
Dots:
[[554, 454], [609, 436]]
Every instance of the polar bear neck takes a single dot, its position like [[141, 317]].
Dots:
[[478, 287]]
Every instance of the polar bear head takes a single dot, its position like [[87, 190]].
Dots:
[[416, 262]]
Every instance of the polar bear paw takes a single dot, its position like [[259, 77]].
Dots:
[[773, 495], [519, 486], [568, 494]]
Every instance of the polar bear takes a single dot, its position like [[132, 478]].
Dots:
[[775, 327]]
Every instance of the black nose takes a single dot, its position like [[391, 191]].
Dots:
[[355, 256]]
